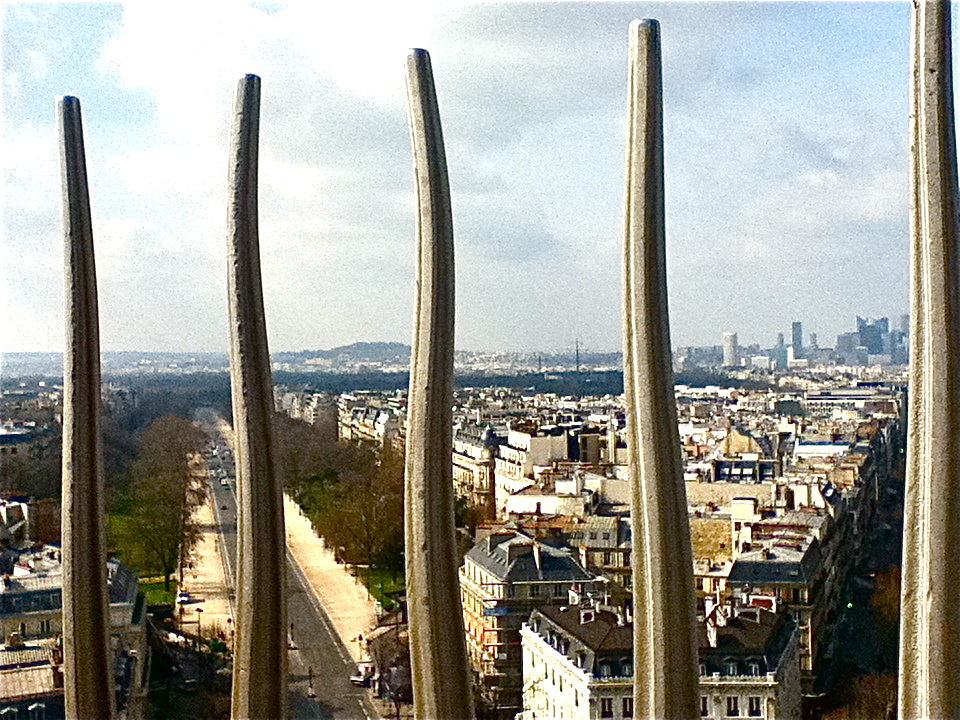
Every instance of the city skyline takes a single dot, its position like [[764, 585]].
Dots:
[[786, 168]]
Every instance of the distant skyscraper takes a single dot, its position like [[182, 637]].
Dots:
[[905, 324], [797, 339], [871, 333], [730, 349], [780, 352]]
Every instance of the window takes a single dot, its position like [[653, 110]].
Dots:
[[607, 558], [606, 536], [753, 706], [45, 627], [534, 591], [606, 707], [23, 630], [628, 707], [754, 667], [511, 591], [576, 698], [733, 706], [703, 668], [731, 666], [704, 706], [558, 590], [593, 536]]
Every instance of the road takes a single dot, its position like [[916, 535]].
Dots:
[[315, 647]]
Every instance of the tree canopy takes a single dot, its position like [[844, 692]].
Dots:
[[352, 494], [165, 491]]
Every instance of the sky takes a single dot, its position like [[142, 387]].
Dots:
[[785, 168]]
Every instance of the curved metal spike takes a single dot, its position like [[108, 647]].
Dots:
[[929, 637], [260, 658], [664, 626], [88, 666], [438, 654]]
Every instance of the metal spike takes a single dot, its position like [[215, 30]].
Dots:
[[260, 658], [438, 654], [929, 638], [88, 676], [664, 628]]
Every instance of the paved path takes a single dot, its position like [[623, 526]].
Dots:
[[206, 580]]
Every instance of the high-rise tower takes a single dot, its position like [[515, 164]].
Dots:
[[797, 339], [730, 349]]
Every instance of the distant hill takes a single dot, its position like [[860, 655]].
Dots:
[[383, 352]]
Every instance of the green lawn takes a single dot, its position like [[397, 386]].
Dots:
[[155, 593], [379, 582]]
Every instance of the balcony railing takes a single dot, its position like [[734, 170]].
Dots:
[[665, 684]]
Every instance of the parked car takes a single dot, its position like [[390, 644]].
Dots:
[[362, 675]]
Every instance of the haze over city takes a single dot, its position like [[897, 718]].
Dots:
[[786, 167]]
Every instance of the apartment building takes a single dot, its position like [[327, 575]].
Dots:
[[524, 450], [30, 623], [474, 450], [578, 664], [503, 578]]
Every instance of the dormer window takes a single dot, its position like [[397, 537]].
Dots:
[[731, 666]]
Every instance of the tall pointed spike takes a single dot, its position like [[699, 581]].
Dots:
[[438, 656], [260, 658], [88, 676], [929, 638], [665, 651]]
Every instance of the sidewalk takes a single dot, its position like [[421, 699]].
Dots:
[[206, 580], [344, 598]]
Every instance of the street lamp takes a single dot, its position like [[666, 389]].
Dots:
[[199, 634]]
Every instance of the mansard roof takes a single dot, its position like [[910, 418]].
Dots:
[[514, 557]]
